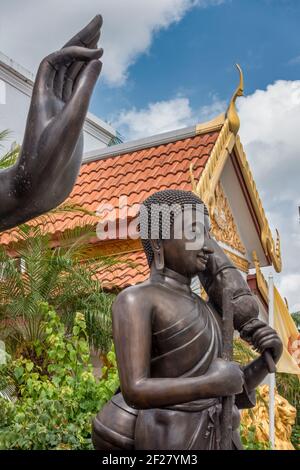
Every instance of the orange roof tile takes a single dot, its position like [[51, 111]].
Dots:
[[131, 269]]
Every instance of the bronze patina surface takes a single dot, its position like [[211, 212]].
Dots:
[[51, 153], [169, 342]]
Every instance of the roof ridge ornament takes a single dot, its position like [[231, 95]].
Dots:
[[231, 113]]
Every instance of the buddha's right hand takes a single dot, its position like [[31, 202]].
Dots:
[[226, 378], [52, 148]]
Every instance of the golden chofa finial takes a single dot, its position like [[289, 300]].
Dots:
[[231, 114]]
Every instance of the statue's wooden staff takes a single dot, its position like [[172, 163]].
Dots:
[[227, 355]]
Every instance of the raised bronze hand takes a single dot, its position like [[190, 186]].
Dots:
[[51, 154]]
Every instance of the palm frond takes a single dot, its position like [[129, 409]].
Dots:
[[4, 134], [57, 276], [242, 352], [9, 158]]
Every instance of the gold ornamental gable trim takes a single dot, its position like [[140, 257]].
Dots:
[[211, 126], [205, 187], [241, 263], [223, 225]]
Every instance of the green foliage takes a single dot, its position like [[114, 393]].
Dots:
[[296, 318], [288, 387], [57, 398], [4, 135], [53, 275], [242, 352], [295, 438], [248, 435], [10, 157], [249, 439]]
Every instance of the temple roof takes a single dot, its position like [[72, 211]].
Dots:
[[208, 159]]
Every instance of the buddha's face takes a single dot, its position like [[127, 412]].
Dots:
[[187, 254]]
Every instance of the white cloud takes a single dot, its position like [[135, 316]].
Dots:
[[164, 116], [32, 29], [158, 117], [270, 133]]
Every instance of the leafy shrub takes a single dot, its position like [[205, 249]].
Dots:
[[57, 397], [295, 438], [288, 387], [249, 439], [43, 273]]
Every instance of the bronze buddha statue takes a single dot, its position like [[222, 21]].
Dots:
[[168, 341]]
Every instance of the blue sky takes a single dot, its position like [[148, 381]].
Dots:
[[195, 57]]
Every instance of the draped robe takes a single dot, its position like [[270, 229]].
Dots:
[[191, 341], [194, 425]]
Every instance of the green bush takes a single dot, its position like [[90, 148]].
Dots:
[[57, 276], [58, 396], [295, 438], [249, 439], [288, 387]]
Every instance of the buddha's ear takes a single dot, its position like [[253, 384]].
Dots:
[[158, 251]]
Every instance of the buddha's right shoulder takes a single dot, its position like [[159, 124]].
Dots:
[[133, 295]]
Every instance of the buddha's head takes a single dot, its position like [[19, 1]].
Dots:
[[174, 228]]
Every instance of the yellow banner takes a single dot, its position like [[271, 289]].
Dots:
[[284, 324]]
